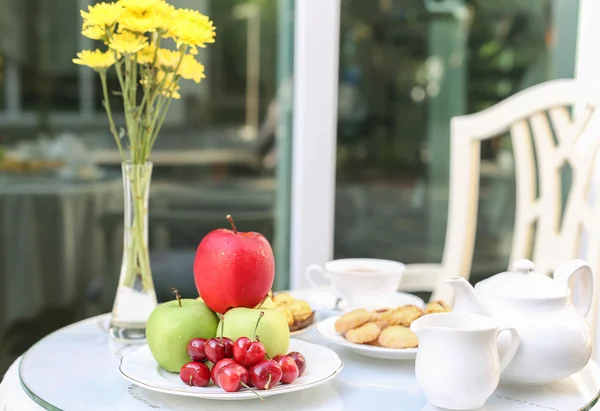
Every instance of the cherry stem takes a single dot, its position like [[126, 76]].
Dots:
[[261, 315], [268, 382], [176, 292], [191, 378], [230, 219], [254, 391], [222, 327]]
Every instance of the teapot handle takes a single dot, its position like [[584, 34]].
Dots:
[[583, 302]]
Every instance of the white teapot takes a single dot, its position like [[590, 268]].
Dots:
[[555, 338]]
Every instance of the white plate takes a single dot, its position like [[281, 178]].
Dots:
[[327, 330], [323, 301], [303, 330], [140, 368]]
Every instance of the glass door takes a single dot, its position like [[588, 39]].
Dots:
[[408, 67]]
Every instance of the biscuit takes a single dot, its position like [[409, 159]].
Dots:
[[352, 319], [383, 314], [437, 306], [363, 334], [405, 315], [282, 299], [382, 324], [300, 309], [287, 313], [397, 336]]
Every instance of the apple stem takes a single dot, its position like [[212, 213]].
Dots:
[[254, 391], [230, 219], [222, 327], [263, 300], [268, 382], [176, 292], [261, 315]]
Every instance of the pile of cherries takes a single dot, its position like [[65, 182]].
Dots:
[[240, 364]]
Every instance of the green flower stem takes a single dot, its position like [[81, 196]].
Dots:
[[137, 250], [113, 129]]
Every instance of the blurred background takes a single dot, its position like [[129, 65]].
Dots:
[[405, 68]]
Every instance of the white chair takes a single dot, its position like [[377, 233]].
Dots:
[[534, 118]]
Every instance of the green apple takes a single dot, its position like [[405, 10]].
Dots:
[[273, 330], [172, 325]]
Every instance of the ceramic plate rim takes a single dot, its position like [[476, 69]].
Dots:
[[370, 350], [333, 311], [229, 396]]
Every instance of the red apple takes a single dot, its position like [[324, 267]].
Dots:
[[233, 269]]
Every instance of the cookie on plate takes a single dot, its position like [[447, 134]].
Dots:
[[437, 306], [405, 315], [364, 334], [397, 336], [353, 319], [383, 314]]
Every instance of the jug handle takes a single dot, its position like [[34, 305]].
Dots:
[[583, 302], [512, 347]]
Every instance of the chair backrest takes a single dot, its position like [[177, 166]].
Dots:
[[544, 135]]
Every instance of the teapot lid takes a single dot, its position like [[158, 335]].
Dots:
[[521, 282]]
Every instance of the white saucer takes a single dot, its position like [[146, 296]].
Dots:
[[323, 301], [326, 329], [140, 368]]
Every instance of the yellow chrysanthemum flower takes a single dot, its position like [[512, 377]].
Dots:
[[191, 69], [101, 15], [170, 88], [96, 59], [127, 42], [94, 32], [146, 55], [165, 14], [167, 60], [193, 28], [141, 6], [139, 22]]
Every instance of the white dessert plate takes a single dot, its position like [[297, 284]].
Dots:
[[326, 329], [323, 301], [140, 368]]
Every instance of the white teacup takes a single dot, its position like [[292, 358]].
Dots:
[[358, 281]]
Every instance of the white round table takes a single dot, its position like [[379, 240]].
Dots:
[[76, 368]]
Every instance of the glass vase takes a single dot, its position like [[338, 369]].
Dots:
[[135, 298]]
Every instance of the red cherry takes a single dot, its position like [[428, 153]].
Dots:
[[299, 360], [265, 375], [228, 344], [195, 349], [195, 373], [289, 368], [232, 377], [248, 352], [218, 366], [218, 348]]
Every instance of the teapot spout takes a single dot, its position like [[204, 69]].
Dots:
[[466, 300]]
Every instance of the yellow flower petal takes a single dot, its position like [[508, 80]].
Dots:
[[101, 15], [96, 59], [138, 22], [127, 42], [191, 69], [167, 60], [146, 55], [94, 32], [193, 28], [141, 6]]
